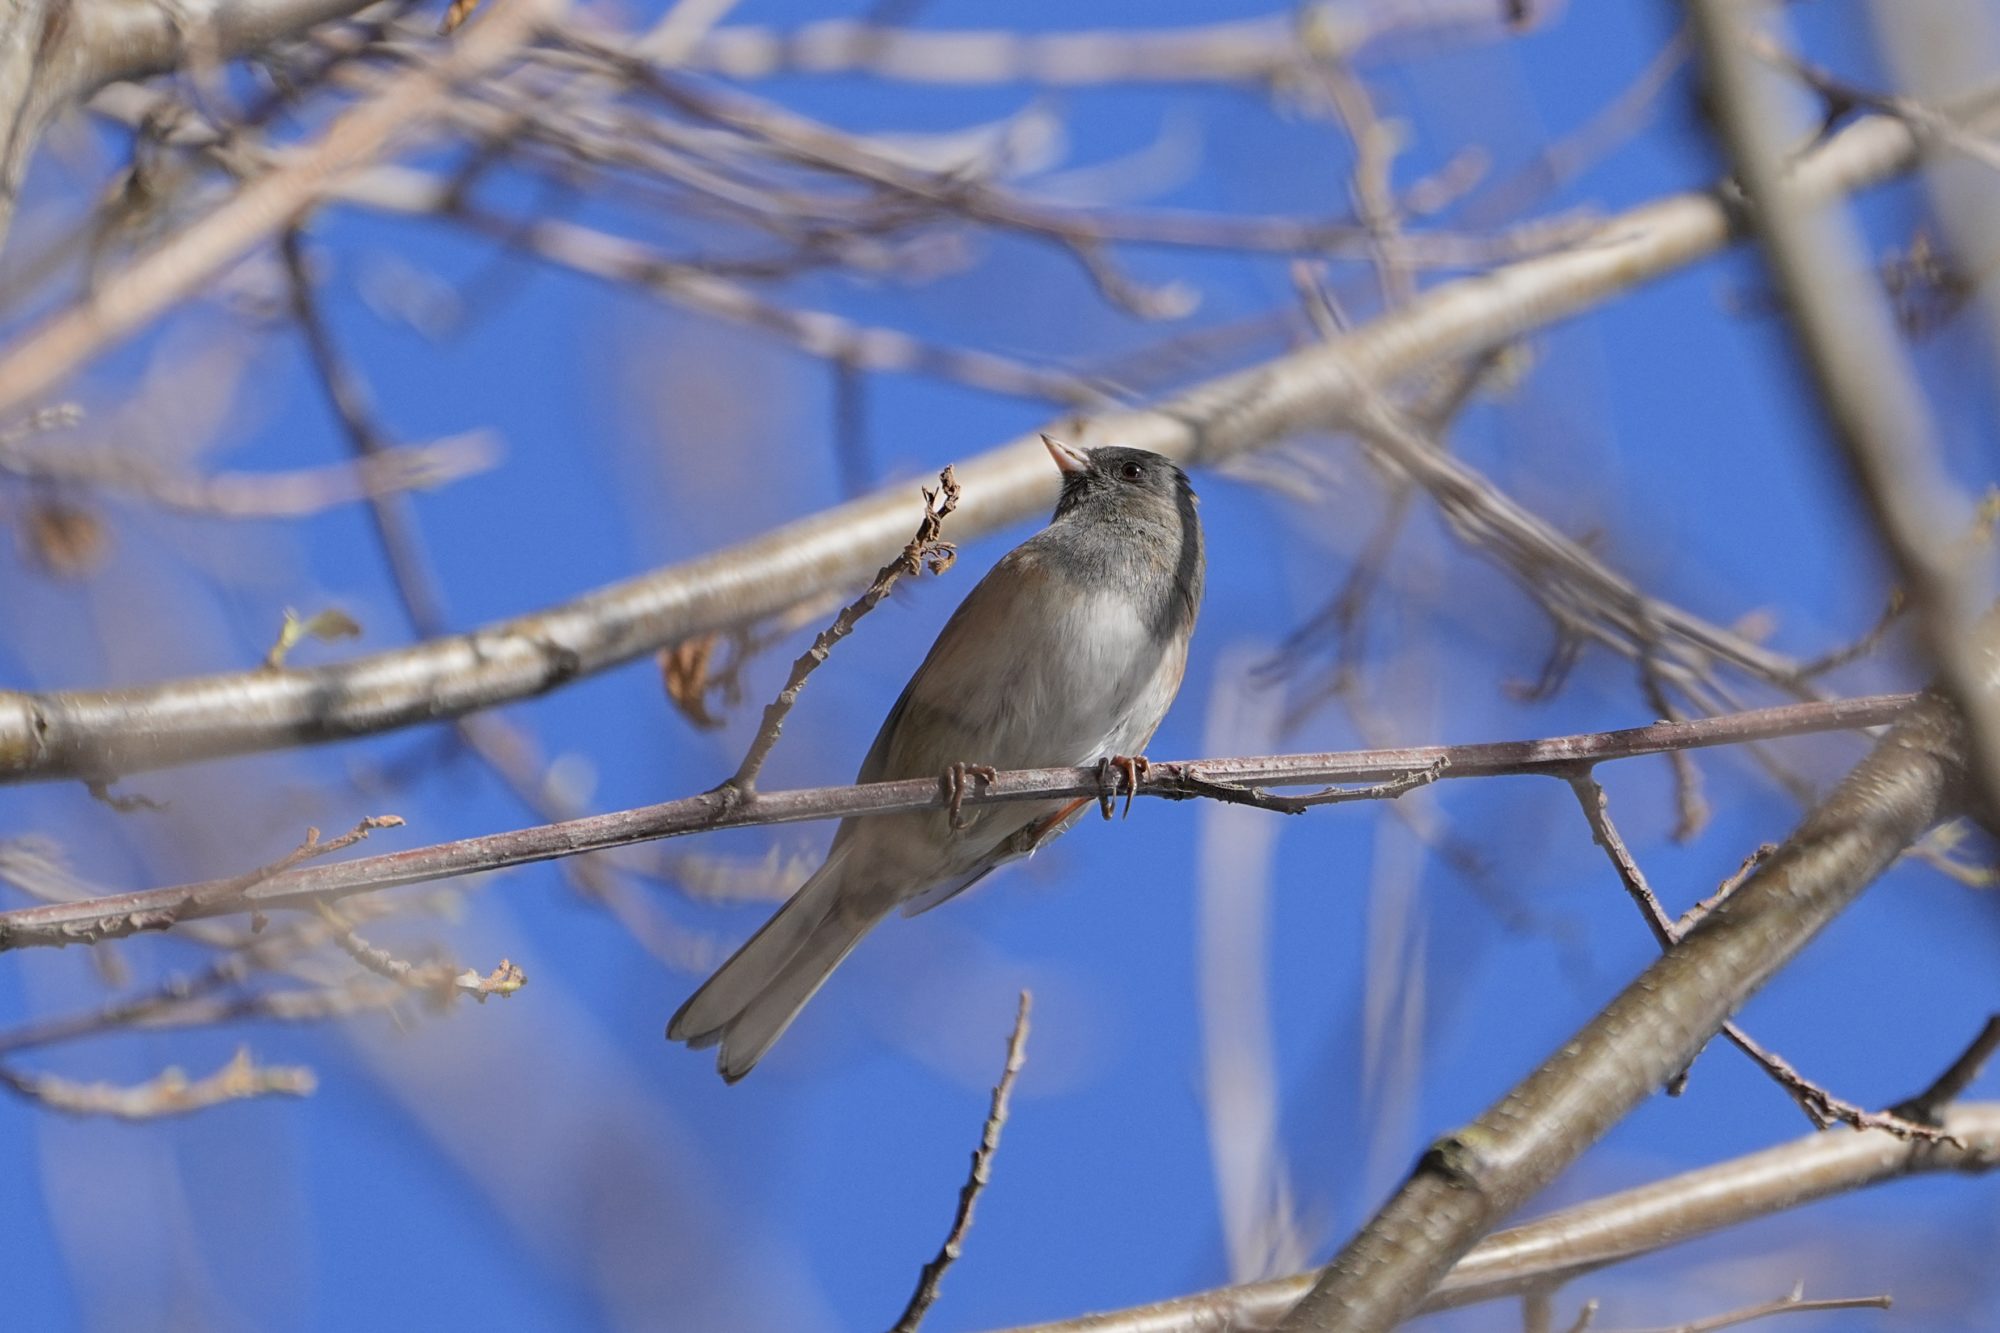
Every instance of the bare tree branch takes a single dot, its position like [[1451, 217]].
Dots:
[[1567, 1244], [1468, 1180], [157, 909], [99, 733]]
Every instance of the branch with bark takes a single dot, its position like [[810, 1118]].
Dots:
[[99, 734], [1391, 771]]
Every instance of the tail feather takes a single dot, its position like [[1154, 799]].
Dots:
[[753, 998]]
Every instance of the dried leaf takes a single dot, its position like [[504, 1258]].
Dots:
[[684, 671], [326, 626], [66, 540]]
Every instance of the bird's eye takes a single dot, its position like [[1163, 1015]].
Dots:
[[1131, 472]]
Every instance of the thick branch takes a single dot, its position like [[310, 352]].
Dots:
[[96, 733], [157, 909], [1575, 1241], [1471, 1179]]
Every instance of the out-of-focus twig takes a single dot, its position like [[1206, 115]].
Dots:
[[172, 1093]]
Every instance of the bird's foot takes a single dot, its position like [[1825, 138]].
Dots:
[[1109, 769], [956, 780]]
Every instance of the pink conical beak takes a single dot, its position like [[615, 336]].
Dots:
[[1072, 461]]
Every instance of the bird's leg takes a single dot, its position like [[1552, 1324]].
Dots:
[[1132, 767], [956, 779]]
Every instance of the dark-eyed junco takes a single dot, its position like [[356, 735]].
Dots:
[[1068, 652]]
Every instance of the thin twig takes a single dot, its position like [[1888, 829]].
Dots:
[[1793, 1303], [926, 550], [117, 915], [982, 1172]]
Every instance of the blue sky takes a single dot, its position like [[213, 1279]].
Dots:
[[549, 1162]]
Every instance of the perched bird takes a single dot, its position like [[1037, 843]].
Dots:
[[1068, 652]]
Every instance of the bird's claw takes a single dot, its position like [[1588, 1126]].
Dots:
[[956, 780], [1109, 769]]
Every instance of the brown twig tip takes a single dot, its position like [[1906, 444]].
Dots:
[[928, 1281], [171, 1093], [927, 549]]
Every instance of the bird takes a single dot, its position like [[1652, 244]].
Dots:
[[1067, 653]]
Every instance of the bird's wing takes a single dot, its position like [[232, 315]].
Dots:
[[945, 890]]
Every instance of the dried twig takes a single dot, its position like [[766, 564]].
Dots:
[[982, 1171], [926, 550]]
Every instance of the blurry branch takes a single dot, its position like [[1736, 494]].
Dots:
[[1565, 1245], [1867, 388], [439, 981], [97, 733], [172, 1093], [1083, 232], [1910, 781], [267, 890], [216, 993], [125, 301], [347, 395], [54, 53], [294, 493], [854, 347], [507, 751], [1253, 51], [927, 549], [928, 1281]]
